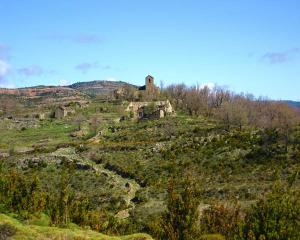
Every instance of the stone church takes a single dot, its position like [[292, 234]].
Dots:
[[158, 109]]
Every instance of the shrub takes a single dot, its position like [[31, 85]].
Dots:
[[6, 231], [149, 109], [275, 217], [179, 221], [221, 219]]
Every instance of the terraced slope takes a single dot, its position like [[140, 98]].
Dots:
[[130, 186]]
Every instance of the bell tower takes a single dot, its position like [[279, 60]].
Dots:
[[149, 83]]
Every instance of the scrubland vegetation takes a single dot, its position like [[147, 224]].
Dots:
[[225, 167]]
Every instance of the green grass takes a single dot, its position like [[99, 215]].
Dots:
[[31, 232], [45, 133], [212, 237]]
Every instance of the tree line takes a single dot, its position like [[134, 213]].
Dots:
[[234, 110]]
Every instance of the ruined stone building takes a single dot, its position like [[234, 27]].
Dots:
[[69, 108], [150, 110], [63, 111]]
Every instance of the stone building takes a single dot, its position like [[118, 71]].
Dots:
[[148, 92], [150, 110], [63, 111], [69, 108]]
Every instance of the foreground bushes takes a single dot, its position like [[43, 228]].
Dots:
[[23, 194], [222, 219], [274, 217], [179, 222]]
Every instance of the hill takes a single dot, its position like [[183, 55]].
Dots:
[[99, 167], [293, 104], [102, 88], [38, 91]]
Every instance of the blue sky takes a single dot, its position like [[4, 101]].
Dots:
[[247, 46]]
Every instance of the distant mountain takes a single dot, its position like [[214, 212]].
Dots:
[[39, 91], [100, 87], [293, 104]]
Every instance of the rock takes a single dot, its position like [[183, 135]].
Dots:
[[4, 155], [158, 147], [202, 208], [23, 150], [41, 116], [123, 214]]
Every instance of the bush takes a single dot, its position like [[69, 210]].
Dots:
[[179, 221], [149, 109], [6, 231], [221, 219], [276, 217]]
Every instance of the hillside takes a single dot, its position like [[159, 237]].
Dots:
[[102, 169]]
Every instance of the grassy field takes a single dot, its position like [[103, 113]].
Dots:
[[44, 133], [51, 132]]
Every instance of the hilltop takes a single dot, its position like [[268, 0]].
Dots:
[[102, 88]]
